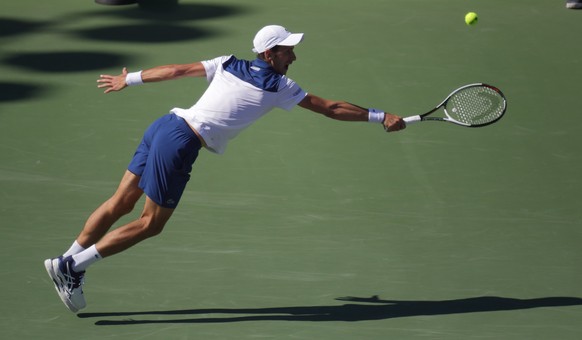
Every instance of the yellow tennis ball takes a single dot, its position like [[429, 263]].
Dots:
[[471, 18]]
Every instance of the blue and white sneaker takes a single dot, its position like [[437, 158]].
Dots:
[[68, 283]]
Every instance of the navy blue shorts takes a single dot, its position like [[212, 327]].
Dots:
[[164, 159]]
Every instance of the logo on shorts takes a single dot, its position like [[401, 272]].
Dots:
[[170, 202]]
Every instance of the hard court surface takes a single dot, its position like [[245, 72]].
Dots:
[[307, 228]]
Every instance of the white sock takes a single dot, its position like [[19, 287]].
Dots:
[[76, 248], [85, 258]]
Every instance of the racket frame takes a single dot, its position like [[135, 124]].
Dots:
[[448, 118]]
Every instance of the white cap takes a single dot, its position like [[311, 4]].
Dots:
[[273, 35]]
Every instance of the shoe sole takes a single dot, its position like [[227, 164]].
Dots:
[[48, 265]]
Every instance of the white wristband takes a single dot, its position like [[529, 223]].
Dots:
[[375, 116], [133, 78]]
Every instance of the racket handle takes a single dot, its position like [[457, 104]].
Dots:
[[412, 119]]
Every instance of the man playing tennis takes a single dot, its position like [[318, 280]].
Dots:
[[239, 93]]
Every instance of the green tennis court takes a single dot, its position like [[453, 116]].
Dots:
[[307, 228]]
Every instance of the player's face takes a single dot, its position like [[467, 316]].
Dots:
[[281, 58]]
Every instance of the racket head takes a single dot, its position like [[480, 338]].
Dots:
[[475, 105]]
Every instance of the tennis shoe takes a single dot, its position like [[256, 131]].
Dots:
[[68, 283], [574, 4]]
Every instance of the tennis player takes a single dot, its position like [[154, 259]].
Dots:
[[239, 93]]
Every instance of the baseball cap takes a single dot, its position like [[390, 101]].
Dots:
[[273, 35]]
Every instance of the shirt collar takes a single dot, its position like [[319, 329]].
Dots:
[[262, 64]]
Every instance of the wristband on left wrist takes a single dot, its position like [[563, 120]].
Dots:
[[133, 78]]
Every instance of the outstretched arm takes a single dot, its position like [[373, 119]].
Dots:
[[160, 73], [345, 111]]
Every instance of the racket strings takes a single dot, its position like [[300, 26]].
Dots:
[[475, 106]]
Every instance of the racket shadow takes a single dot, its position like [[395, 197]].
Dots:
[[362, 309]]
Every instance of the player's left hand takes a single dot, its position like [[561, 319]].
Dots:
[[113, 83]]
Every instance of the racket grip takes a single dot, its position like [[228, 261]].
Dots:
[[412, 119]]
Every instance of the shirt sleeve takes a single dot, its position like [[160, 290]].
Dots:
[[212, 65], [291, 94]]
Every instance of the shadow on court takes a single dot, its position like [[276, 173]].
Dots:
[[182, 12], [373, 309], [63, 62], [13, 91], [141, 26]]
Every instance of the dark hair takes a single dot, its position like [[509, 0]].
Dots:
[[273, 49]]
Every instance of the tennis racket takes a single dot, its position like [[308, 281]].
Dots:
[[473, 105]]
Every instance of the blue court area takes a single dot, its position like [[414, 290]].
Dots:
[[306, 228]]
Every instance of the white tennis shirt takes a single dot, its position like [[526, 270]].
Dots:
[[239, 93]]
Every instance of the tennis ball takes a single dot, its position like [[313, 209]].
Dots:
[[471, 18]]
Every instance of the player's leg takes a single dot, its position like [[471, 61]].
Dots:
[[160, 168], [149, 224], [69, 279], [172, 150], [63, 270], [121, 203]]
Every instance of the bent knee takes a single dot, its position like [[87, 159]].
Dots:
[[151, 226], [122, 205], [154, 218]]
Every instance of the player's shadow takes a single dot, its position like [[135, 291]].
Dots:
[[366, 309]]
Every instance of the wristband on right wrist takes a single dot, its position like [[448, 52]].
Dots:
[[376, 116]]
